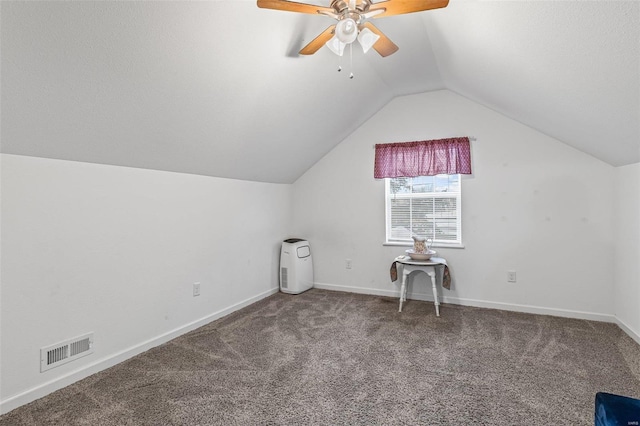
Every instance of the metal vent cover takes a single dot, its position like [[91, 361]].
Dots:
[[284, 280], [64, 352]]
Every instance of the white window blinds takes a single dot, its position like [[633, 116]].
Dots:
[[427, 206]]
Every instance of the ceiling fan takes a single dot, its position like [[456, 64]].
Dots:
[[352, 22]]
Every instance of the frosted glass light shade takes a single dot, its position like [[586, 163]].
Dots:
[[336, 45], [367, 39], [347, 30]]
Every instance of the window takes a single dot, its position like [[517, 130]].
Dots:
[[428, 206]]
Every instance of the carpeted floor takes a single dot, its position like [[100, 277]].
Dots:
[[330, 358]]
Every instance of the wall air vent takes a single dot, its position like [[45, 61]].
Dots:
[[63, 352]]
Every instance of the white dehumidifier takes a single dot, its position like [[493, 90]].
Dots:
[[296, 266]]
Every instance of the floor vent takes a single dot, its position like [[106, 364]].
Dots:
[[63, 352]]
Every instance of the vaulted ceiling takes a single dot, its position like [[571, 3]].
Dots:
[[218, 88]]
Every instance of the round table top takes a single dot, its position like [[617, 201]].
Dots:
[[408, 261]]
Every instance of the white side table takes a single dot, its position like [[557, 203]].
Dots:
[[408, 266]]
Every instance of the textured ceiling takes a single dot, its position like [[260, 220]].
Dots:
[[217, 88]]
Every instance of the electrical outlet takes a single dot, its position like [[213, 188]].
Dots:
[[196, 289], [348, 264], [511, 276]]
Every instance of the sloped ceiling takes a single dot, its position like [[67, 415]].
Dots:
[[217, 87], [570, 69]]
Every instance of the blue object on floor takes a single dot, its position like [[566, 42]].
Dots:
[[616, 410]]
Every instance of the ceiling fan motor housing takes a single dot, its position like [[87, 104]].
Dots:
[[340, 6]]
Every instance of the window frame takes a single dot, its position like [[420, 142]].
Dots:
[[426, 195]]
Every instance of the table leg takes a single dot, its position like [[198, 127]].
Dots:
[[403, 290], [432, 275]]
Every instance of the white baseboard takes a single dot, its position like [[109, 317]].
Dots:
[[44, 389], [593, 316], [360, 290], [630, 331]]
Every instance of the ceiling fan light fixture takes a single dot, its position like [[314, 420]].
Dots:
[[347, 30], [336, 46], [352, 17], [367, 39]]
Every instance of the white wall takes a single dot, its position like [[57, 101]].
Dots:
[[627, 253], [533, 204], [115, 251]]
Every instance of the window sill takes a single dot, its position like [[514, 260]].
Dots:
[[408, 244]]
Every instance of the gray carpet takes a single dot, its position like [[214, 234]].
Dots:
[[338, 358]]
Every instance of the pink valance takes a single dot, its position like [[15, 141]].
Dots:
[[423, 158]]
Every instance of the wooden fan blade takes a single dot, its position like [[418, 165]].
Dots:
[[292, 6], [319, 41], [384, 46], [400, 7]]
